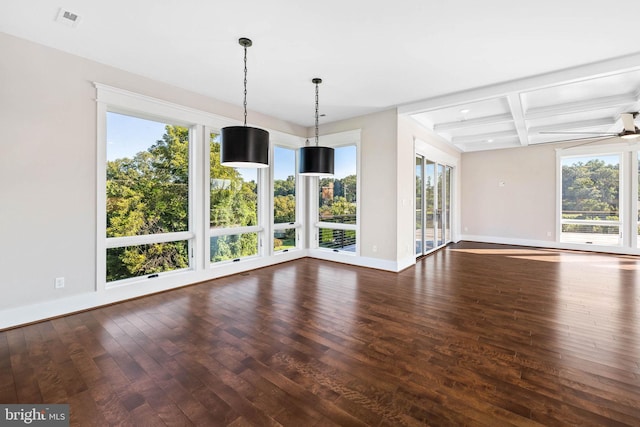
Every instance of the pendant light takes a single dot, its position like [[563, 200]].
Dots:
[[243, 146], [316, 160]]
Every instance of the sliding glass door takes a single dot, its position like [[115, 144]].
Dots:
[[433, 205]]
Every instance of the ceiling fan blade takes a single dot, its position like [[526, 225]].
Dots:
[[627, 121], [588, 138], [580, 133], [587, 142]]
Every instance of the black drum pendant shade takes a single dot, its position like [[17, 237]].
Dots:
[[316, 160], [244, 146]]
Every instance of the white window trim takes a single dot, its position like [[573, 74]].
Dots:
[[148, 239], [298, 224], [628, 209], [231, 231], [110, 99], [428, 152], [336, 140], [263, 185]]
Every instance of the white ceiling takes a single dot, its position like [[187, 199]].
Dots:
[[518, 67]]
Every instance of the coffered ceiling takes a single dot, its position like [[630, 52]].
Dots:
[[539, 110], [481, 74]]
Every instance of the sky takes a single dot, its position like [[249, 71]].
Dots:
[[127, 136], [612, 159]]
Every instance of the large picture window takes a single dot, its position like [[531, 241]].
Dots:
[[285, 223], [147, 196], [338, 203], [233, 208], [591, 200]]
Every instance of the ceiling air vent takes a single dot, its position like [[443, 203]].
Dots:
[[68, 18]]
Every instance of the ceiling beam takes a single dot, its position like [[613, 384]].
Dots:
[[481, 145], [579, 106], [485, 137], [517, 110], [583, 124], [480, 121]]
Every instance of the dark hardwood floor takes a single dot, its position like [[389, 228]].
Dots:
[[475, 334]]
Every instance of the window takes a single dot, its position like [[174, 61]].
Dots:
[[285, 225], [419, 230], [433, 205], [637, 216], [233, 208], [338, 203], [147, 197], [591, 200]]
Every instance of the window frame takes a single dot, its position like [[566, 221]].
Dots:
[[122, 101], [628, 194], [336, 140], [263, 181], [299, 222], [119, 101]]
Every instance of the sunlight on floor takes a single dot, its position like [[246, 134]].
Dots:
[[623, 262]]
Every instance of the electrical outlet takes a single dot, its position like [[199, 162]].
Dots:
[[374, 248], [59, 282]]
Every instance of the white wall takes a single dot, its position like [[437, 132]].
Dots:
[[509, 195], [378, 170], [48, 166], [408, 132], [48, 178]]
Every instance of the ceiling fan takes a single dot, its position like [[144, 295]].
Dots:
[[629, 133]]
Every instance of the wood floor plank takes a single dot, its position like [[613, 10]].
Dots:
[[475, 334]]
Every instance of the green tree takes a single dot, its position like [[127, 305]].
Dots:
[[349, 188], [590, 190], [284, 187], [148, 194], [233, 203], [284, 209]]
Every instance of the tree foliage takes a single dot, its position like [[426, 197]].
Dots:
[[149, 194], [284, 200], [590, 190], [284, 211], [338, 205]]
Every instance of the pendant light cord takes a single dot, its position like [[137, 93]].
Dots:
[[245, 85], [316, 114]]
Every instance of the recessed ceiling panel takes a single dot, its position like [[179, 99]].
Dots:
[[483, 145], [487, 132], [604, 119], [585, 92], [468, 112]]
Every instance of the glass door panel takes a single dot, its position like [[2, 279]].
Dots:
[[433, 205], [419, 235], [447, 204], [440, 206], [638, 217], [431, 223]]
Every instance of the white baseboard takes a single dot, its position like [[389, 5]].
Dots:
[[23, 315], [31, 313], [379, 264]]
